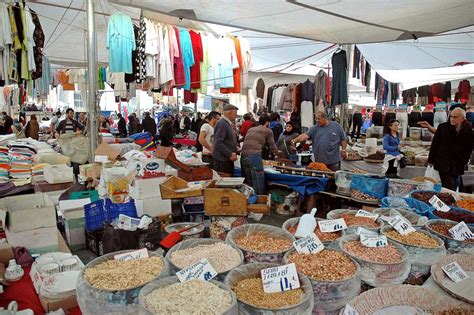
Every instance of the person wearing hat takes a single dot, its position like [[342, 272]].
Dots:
[[224, 150]]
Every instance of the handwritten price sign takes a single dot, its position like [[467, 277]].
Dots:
[[308, 245], [402, 225], [335, 225], [280, 279]]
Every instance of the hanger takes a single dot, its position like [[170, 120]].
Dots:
[[339, 48]]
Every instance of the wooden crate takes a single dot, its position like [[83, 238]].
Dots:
[[262, 205], [169, 189], [231, 202], [186, 172]]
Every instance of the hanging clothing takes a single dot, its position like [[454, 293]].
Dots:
[[356, 63], [30, 41], [204, 64], [436, 93], [447, 91], [174, 53], [131, 77], [423, 95], [307, 114], [151, 48], [286, 99], [63, 79], [188, 55], [463, 92], [140, 69], [320, 81], [179, 76], [227, 58], [367, 76], [101, 78], [166, 66], [246, 64], [236, 70], [409, 96], [339, 78], [117, 81], [198, 58], [5, 40], [120, 43], [39, 39], [307, 91], [43, 83]]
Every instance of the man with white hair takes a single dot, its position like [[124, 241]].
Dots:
[[451, 148]]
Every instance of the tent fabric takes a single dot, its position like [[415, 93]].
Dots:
[[341, 22]]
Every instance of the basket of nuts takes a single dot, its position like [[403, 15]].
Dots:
[[246, 282], [329, 239], [334, 276], [107, 285], [441, 229], [380, 266], [412, 217], [260, 242], [353, 221]]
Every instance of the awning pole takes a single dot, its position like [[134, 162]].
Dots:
[[91, 79]]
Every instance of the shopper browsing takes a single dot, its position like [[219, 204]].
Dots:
[[69, 125], [328, 138], [391, 144], [206, 137], [284, 142], [224, 151]]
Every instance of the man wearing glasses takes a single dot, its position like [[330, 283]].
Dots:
[[328, 138]]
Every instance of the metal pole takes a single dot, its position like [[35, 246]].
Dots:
[[91, 79], [348, 49]]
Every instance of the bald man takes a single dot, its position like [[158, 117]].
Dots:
[[451, 148]]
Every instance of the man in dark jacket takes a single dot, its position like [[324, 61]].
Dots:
[[69, 125], [451, 148], [149, 124], [224, 150], [7, 122], [122, 126]]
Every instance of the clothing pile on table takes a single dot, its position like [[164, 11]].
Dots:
[[5, 165]]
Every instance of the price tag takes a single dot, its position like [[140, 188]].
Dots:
[[360, 230], [385, 218], [332, 225], [402, 225], [438, 204], [367, 214], [280, 279], [455, 272], [349, 310], [136, 254], [461, 232], [101, 159], [308, 245], [201, 270], [373, 240]]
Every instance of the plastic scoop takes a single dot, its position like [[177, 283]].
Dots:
[[175, 237]]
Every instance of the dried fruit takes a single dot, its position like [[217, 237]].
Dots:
[[467, 204], [454, 215], [443, 229]]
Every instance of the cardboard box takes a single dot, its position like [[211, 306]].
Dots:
[[146, 188], [50, 305], [29, 212], [177, 188], [107, 150], [147, 168], [37, 241], [91, 171], [6, 253], [153, 206], [74, 226]]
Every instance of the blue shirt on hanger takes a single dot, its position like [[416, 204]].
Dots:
[[188, 55], [120, 43]]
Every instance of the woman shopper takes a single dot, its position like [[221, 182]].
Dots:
[[391, 143], [251, 154], [32, 128], [288, 151]]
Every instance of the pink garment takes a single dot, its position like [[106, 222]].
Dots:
[[174, 53], [179, 76]]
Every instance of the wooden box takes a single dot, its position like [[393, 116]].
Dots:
[[186, 172], [169, 189], [225, 201]]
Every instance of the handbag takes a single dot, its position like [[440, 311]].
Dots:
[[403, 162]]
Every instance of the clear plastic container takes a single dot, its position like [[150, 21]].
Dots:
[[421, 258], [421, 160], [379, 274], [267, 230], [164, 282], [294, 221], [415, 133], [415, 219], [95, 301], [191, 243], [453, 246], [331, 296], [426, 135], [253, 271], [337, 213], [402, 187], [343, 182]]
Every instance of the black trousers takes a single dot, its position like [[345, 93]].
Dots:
[[392, 171], [207, 158], [224, 166], [357, 122], [448, 180]]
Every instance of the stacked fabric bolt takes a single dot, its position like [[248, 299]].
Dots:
[[5, 165], [37, 172], [144, 140]]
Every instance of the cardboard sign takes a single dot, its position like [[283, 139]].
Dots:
[[461, 232], [438, 204], [308, 245], [332, 225], [373, 240], [202, 270], [280, 279], [402, 225], [136, 254], [366, 214], [455, 272]]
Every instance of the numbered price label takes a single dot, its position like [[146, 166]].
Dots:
[[280, 279], [335, 225], [136, 254], [201, 270], [310, 244], [349, 310], [461, 232], [367, 214], [373, 240], [402, 225], [455, 272], [438, 204]]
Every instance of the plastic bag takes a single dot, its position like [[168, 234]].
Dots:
[[337, 213], [95, 301], [76, 147], [371, 185], [271, 231], [164, 282], [432, 173], [380, 274], [402, 187], [190, 243], [419, 207], [253, 271]]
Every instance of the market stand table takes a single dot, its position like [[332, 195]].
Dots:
[[184, 141]]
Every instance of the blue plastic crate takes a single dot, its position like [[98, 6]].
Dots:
[[116, 209], [94, 215]]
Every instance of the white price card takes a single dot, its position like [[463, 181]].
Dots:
[[367, 214], [349, 310], [438, 204], [332, 225], [455, 272], [308, 245], [280, 279], [202, 270], [360, 230], [101, 158], [373, 240], [136, 254], [461, 232], [402, 225]]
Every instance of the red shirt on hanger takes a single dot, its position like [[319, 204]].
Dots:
[[198, 58]]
